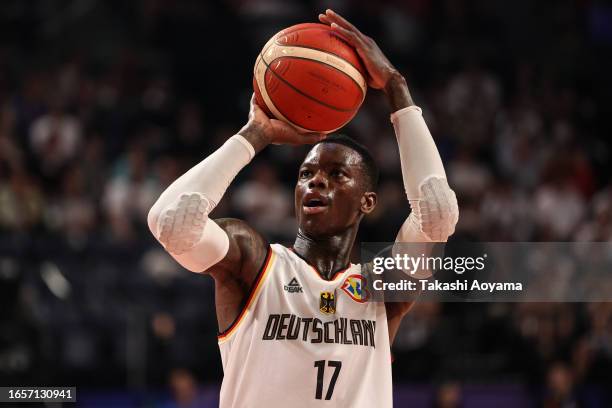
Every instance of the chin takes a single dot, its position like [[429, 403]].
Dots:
[[316, 228], [321, 227], [314, 231]]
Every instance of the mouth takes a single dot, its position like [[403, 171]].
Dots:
[[314, 204]]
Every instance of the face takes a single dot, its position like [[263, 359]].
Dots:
[[331, 194]]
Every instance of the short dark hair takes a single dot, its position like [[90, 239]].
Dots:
[[370, 167]]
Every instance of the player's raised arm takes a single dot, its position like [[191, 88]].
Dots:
[[434, 205], [179, 219]]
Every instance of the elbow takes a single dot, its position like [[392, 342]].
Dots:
[[437, 212], [441, 224], [447, 215], [186, 233], [180, 225], [451, 215], [152, 218]]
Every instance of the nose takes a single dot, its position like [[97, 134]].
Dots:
[[318, 181]]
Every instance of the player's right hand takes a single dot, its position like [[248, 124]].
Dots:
[[260, 130]]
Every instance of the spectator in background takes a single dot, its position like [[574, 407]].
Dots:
[[21, 201], [506, 212], [265, 202], [448, 395], [560, 391], [55, 139], [468, 176], [472, 99], [130, 192], [600, 338], [73, 211], [184, 390], [599, 226], [559, 207]]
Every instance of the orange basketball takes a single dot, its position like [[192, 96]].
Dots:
[[309, 77]]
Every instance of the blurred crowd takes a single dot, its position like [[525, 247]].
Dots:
[[104, 103]]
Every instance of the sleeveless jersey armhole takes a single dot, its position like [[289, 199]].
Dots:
[[251, 297]]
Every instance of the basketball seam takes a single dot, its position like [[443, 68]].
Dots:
[[276, 106], [302, 92], [319, 27], [324, 51], [263, 89], [319, 56], [329, 65]]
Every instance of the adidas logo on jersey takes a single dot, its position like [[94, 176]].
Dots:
[[294, 287]]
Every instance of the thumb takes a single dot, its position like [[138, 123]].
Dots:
[[253, 103], [254, 108]]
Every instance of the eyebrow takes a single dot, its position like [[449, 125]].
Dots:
[[341, 164]]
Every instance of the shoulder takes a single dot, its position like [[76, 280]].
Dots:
[[247, 250], [239, 229], [243, 235]]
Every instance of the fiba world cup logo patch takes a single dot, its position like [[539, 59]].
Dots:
[[354, 286], [327, 302]]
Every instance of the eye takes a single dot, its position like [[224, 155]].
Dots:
[[337, 173], [305, 173]]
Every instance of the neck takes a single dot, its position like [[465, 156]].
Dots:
[[328, 254]]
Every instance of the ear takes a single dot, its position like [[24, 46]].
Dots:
[[368, 202]]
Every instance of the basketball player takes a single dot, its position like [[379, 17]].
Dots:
[[296, 329]]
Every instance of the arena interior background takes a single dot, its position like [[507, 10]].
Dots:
[[104, 103]]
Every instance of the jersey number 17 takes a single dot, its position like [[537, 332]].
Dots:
[[320, 365]]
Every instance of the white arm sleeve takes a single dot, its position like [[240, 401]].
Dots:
[[433, 203], [179, 218]]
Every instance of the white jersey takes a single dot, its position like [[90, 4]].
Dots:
[[303, 341]]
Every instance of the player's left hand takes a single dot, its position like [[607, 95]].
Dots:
[[380, 70]]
